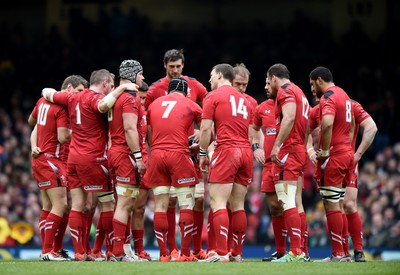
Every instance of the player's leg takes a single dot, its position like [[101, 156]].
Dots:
[[161, 199], [239, 220], [185, 197], [126, 193], [198, 221], [303, 219], [138, 223], [354, 222]]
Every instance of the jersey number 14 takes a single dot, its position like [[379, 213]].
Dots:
[[238, 108]]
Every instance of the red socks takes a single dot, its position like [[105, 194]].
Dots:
[[280, 233], [119, 237], [304, 233], [186, 226], [345, 235], [335, 226], [355, 230], [211, 242], [75, 225], [171, 229], [52, 224], [161, 231], [42, 225], [198, 220], [221, 227], [239, 227], [58, 240], [137, 236], [293, 224]]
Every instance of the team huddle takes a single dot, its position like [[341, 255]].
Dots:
[[96, 146]]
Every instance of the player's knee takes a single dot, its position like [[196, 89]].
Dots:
[[286, 195], [105, 196], [198, 204], [350, 206], [185, 196], [332, 194], [128, 191], [172, 201]]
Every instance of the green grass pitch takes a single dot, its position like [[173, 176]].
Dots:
[[254, 267]]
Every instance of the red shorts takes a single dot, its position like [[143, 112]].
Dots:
[[171, 168], [123, 166], [292, 166], [334, 169], [65, 167], [267, 184], [91, 177], [48, 172], [231, 165], [350, 180]]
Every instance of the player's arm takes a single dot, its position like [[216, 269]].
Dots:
[[326, 135], [132, 139], [289, 114], [107, 102], [149, 134], [31, 120], [312, 154], [205, 133], [63, 134], [369, 131], [35, 150], [258, 151]]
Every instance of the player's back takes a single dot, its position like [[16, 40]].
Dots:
[[126, 103], [336, 102], [291, 93], [171, 119], [231, 113], [49, 117], [89, 128]]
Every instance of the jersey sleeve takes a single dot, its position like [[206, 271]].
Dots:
[[61, 99], [209, 107], [62, 118]]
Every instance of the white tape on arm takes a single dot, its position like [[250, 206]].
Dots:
[[48, 94]]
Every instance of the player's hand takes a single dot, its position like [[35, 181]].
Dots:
[[141, 166], [259, 155], [274, 154], [313, 158], [194, 149], [323, 154], [204, 162], [357, 157], [196, 136], [36, 152]]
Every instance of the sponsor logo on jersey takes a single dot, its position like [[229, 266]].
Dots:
[[93, 187], [121, 179], [267, 111], [45, 183], [186, 180], [249, 180], [270, 131]]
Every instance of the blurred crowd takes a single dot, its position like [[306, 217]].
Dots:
[[29, 63]]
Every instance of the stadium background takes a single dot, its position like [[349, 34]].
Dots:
[[42, 42]]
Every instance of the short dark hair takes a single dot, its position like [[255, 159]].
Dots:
[[322, 72], [226, 70], [75, 80], [174, 55], [178, 84], [279, 70], [144, 87]]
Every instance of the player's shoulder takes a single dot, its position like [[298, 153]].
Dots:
[[329, 93], [158, 83]]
